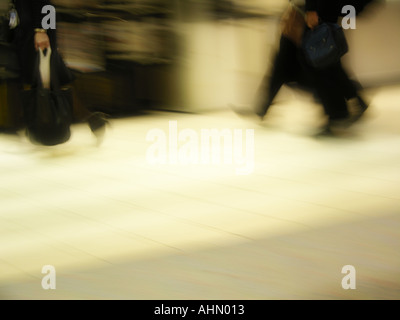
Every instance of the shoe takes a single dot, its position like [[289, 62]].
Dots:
[[333, 126], [357, 106], [261, 110], [244, 112], [363, 104], [97, 122], [326, 131], [260, 115], [342, 123]]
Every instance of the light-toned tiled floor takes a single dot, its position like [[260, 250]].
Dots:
[[115, 226]]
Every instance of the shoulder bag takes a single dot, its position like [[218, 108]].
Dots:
[[324, 45], [48, 110]]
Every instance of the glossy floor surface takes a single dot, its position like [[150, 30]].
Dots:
[[278, 218]]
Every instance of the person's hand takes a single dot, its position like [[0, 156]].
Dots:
[[41, 40], [312, 19]]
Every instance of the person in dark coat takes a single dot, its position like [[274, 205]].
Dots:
[[331, 87], [29, 37], [286, 67]]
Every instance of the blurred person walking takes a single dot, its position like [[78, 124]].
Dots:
[[331, 86], [30, 36], [286, 68]]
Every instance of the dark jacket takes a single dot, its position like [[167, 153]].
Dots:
[[331, 10], [30, 15], [328, 10]]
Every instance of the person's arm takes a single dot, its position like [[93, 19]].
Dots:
[[36, 9], [312, 18], [41, 38]]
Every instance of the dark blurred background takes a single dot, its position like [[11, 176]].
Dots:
[[193, 55]]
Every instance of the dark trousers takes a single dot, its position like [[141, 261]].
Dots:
[[332, 86], [285, 69]]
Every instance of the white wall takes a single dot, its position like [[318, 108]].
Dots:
[[374, 54]]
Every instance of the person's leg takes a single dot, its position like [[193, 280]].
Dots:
[[96, 120], [324, 84], [284, 69], [351, 91], [347, 86]]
